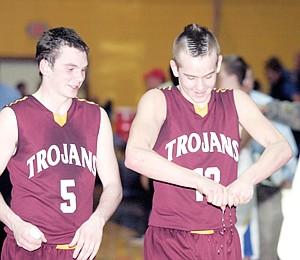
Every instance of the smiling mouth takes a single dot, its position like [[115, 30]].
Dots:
[[200, 93], [74, 86]]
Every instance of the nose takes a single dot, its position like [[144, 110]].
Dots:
[[200, 84], [80, 75]]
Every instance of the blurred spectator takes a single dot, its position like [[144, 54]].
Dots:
[[233, 74], [257, 85], [296, 71], [21, 86], [281, 85], [7, 95], [284, 111], [272, 191], [289, 113], [108, 107], [154, 78]]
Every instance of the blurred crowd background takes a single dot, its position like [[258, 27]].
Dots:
[[130, 48]]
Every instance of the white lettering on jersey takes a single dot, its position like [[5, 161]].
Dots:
[[70, 154], [209, 142]]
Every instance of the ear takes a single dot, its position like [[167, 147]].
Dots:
[[174, 68], [220, 58], [44, 67]]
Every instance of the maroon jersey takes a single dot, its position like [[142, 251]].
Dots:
[[206, 142], [54, 168]]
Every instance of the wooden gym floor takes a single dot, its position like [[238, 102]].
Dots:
[[117, 244]]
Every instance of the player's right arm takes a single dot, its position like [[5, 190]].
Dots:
[[8, 144], [141, 157]]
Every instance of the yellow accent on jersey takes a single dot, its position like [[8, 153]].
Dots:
[[203, 232], [65, 247], [18, 100], [60, 120], [201, 111], [84, 100], [222, 89], [169, 87]]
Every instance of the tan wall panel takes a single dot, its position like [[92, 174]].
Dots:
[[129, 37]]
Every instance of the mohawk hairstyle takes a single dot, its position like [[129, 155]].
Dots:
[[195, 40]]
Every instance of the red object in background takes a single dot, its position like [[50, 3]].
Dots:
[[35, 29], [122, 121]]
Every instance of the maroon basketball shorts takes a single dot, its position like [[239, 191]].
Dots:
[[11, 251], [163, 243]]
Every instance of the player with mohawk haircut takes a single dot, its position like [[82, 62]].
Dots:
[[187, 139]]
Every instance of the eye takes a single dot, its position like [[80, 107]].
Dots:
[[190, 77], [209, 76]]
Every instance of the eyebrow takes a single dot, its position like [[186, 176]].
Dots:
[[74, 65], [189, 75]]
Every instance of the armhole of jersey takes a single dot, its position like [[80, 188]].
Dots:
[[17, 143]]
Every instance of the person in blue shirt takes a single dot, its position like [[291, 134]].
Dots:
[[7, 95], [281, 85]]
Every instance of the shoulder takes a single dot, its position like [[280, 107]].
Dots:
[[19, 102], [85, 102], [222, 91], [243, 102], [8, 117], [152, 104], [240, 95], [153, 95], [85, 105]]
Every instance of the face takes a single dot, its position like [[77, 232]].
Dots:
[[153, 82], [248, 82], [225, 80], [68, 72], [272, 76], [196, 76]]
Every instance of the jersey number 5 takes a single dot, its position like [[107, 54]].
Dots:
[[212, 173], [70, 206]]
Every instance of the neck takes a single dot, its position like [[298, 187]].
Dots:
[[55, 104]]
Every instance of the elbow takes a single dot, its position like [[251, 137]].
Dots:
[[131, 159], [120, 195]]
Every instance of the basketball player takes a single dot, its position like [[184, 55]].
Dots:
[[54, 144], [187, 138]]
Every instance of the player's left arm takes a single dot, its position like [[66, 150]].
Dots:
[[89, 236], [276, 154]]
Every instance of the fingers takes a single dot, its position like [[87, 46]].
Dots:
[[218, 197], [236, 198], [74, 242], [29, 243], [88, 251], [221, 196], [86, 248]]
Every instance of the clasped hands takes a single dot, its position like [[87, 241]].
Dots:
[[237, 193]]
